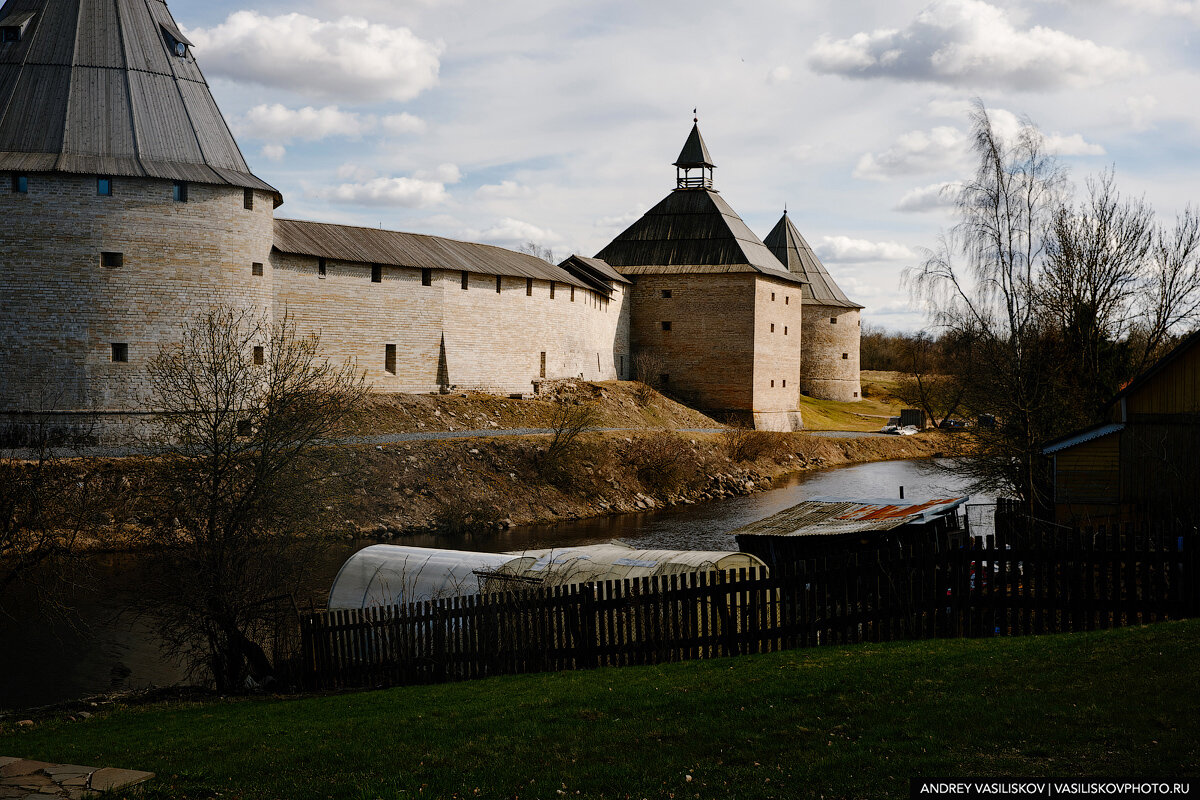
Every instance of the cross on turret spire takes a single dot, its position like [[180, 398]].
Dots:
[[694, 156]]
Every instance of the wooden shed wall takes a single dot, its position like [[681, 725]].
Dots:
[[1175, 389], [1089, 472]]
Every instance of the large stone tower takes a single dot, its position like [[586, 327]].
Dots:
[[829, 365], [710, 302], [127, 204]]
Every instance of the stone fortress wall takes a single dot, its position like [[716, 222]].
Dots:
[[444, 335], [829, 361], [67, 318]]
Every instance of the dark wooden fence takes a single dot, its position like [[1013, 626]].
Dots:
[[1056, 584]]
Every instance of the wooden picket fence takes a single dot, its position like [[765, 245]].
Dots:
[[900, 592]]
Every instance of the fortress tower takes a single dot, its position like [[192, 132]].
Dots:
[[832, 328], [126, 203], [710, 303]]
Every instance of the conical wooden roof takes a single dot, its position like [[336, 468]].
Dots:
[[94, 86], [694, 152], [787, 245], [692, 231]]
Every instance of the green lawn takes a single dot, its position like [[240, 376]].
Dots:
[[829, 722]]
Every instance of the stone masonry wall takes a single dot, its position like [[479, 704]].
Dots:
[[829, 368], [61, 311], [777, 354], [444, 335]]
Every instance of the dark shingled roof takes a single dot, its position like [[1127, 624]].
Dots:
[[692, 231], [790, 248], [93, 88], [694, 152], [376, 246], [594, 271]]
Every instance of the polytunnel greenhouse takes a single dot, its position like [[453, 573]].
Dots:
[[385, 574]]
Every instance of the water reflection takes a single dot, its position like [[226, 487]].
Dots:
[[42, 661]]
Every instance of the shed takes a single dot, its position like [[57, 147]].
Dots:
[[617, 561], [830, 525]]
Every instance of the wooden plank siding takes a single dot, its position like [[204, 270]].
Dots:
[[1089, 472], [1173, 390]]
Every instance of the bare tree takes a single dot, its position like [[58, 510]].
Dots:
[[242, 409], [935, 374], [569, 421], [534, 249]]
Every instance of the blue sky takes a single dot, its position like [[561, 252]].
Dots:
[[556, 121]]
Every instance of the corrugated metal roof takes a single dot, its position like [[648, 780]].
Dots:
[[618, 561], [1086, 435], [376, 246], [694, 152], [787, 245], [827, 516], [692, 230], [92, 88]]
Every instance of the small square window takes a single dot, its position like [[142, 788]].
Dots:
[[426, 277], [104, 186], [20, 183], [856, 394], [259, 357], [248, 199], [180, 192], [499, 283], [529, 287], [465, 279], [845, 355], [321, 267], [120, 352], [389, 358], [772, 327], [376, 273], [666, 326], [785, 383], [256, 269], [552, 290], [666, 293], [772, 384], [833, 320], [112, 260]]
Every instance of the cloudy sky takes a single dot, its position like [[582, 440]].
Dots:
[[556, 120]]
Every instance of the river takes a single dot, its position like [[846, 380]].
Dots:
[[44, 662]]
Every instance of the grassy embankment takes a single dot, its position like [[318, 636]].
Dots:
[[850, 722]]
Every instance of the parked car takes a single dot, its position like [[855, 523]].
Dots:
[[952, 424]]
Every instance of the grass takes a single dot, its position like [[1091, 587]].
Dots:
[[829, 722], [867, 414]]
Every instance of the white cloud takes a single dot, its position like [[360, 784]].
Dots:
[[278, 123], [512, 232], [442, 173], [274, 152], [929, 198], [843, 248], [780, 74], [947, 149], [914, 153], [973, 43], [505, 190], [402, 123], [1139, 109], [404, 192], [349, 59], [1189, 9]]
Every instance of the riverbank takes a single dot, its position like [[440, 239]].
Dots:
[[854, 721]]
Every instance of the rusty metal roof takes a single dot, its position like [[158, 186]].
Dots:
[[377, 246], [92, 87], [692, 231], [827, 516], [694, 152], [786, 243]]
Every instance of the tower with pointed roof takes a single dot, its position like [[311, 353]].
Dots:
[[712, 308], [829, 365], [126, 202]]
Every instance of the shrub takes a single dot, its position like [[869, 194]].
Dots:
[[664, 462], [747, 444]]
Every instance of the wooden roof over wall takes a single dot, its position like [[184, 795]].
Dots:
[[692, 231], [419, 251], [787, 245], [92, 88]]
